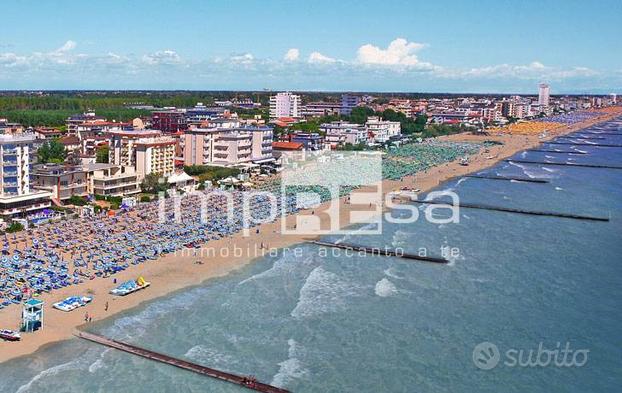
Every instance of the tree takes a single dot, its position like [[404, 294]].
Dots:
[[153, 183], [77, 200], [52, 151], [102, 154], [360, 114], [213, 173], [14, 227]]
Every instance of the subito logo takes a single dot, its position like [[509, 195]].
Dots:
[[486, 356]]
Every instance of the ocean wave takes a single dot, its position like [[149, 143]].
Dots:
[[136, 325], [291, 368], [385, 288], [524, 169], [52, 371], [461, 181], [322, 292], [391, 272], [355, 232], [209, 356], [99, 363], [401, 238], [285, 264]]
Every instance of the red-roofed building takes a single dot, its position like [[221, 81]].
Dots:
[[287, 146]]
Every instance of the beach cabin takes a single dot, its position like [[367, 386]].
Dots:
[[32, 315]]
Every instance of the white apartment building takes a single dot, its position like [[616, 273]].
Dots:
[[381, 130], [543, 94], [227, 146], [285, 105], [111, 180], [16, 195], [147, 151], [339, 133]]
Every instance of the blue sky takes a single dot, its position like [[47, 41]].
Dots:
[[432, 46]]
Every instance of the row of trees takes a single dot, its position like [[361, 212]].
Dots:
[[58, 117]]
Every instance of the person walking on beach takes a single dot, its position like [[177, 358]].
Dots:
[[86, 316], [106, 307]]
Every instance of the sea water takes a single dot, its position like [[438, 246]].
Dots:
[[312, 322]]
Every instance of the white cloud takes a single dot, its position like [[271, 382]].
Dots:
[[400, 52], [169, 57], [396, 65], [292, 55], [532, 71], [245, 58], [67, 46], [318, 58]]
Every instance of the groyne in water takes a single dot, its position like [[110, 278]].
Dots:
[[508, 178], [564, 164], [247, 382], [514, 210], [379, 251], [583, 137], [583, 144], [557, 152]]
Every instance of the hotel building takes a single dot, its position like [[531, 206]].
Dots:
[[285, 105], [16, 196], [543, 94], [227, 146], [147, 151], [339, 133], [112, 180]]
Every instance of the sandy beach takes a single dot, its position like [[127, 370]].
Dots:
[[179, 270]]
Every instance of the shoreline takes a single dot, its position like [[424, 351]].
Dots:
[[174, 272]]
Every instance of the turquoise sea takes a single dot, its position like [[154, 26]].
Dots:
[[315, 323]]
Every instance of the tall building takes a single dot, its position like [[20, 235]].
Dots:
[[15, 194], [543, 94], [147, 151], [284, 105], [348, 102]]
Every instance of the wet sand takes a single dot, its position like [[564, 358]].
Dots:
[[179, 270]]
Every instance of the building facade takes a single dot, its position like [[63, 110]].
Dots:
[[543, 94], [111, 180], [285, 105], [16, 196], [169, 121], [147, 151], [339, 133], [61, 181], [227, 146]]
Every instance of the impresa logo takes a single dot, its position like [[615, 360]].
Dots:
[[320, 179]]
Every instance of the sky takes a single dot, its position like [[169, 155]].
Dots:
[[479, 46]]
